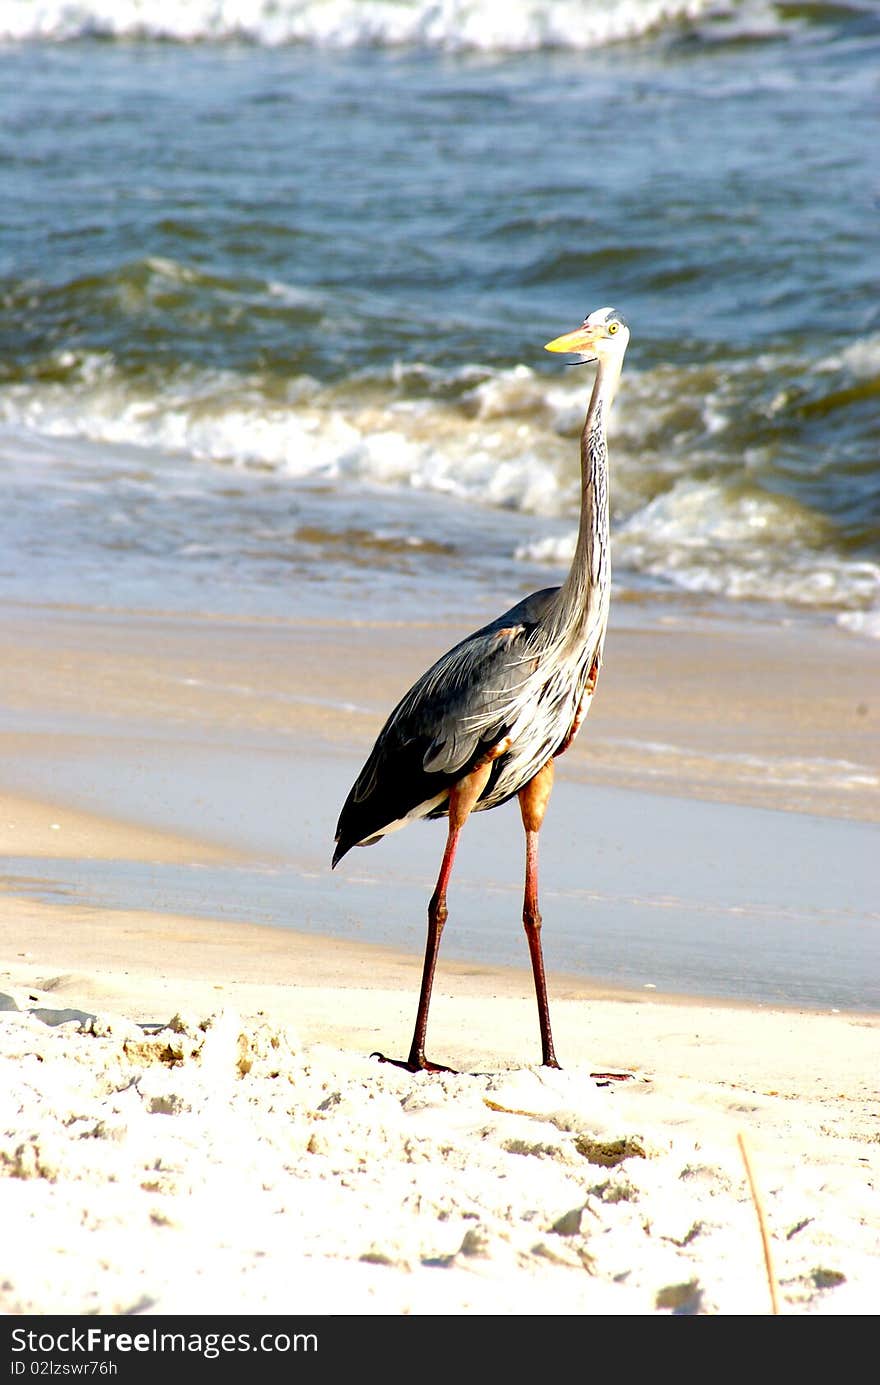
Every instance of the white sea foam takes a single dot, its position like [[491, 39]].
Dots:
[[659, 758], [864, 623], [861, 358], [704, 537], [481, 25], [501, 439], [218, 416]]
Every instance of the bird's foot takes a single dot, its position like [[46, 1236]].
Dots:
[[415, 1063]]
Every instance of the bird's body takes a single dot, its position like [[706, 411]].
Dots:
[[492, 687], [487, 720]]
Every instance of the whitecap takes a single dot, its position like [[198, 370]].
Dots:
[[864, 623], [726, 541], [448, 25]]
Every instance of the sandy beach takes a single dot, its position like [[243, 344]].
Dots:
[[278, 429], [191, 1119]]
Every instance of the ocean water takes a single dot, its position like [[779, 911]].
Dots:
[[275, 280]]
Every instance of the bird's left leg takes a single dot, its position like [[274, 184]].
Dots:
[[533, 800], [462, 797]]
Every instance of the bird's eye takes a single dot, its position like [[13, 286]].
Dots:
[[612, 328]]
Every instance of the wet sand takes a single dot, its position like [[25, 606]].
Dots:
[[717, 809], [168, 798]]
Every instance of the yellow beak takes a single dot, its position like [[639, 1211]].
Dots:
[[580, 340]]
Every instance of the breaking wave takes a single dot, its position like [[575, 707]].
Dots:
[[687, 514], [447, 25]]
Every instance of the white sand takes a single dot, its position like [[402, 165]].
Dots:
[[251, 1157], [230, 1163]]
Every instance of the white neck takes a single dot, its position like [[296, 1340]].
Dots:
[[583, 599]]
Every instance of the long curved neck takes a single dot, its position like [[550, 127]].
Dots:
[[586, 590]]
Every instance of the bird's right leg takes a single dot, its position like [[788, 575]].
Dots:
[[533, 800], [462, 798]]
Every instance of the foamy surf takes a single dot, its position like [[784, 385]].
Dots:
[[687, 515], [447, 25], [287, 315]]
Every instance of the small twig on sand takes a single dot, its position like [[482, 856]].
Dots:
[[762, 1224]]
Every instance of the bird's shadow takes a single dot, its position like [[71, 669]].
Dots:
[[53, 1017], [49, 1016]]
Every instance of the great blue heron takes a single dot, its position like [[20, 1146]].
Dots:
[[487, 720]]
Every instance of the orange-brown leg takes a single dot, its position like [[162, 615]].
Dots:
[[461, 801], [533, 800]]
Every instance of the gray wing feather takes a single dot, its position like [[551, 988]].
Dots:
[[467, 701]]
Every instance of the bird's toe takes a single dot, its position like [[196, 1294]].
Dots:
[[415, 1063]]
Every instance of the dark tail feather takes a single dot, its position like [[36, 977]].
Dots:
[[342, 848], [398, 787]]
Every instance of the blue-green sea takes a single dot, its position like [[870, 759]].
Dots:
[[275, 280]]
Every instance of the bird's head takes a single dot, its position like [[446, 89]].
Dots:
[[603, 336]]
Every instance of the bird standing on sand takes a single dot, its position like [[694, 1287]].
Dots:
[[487, 720]]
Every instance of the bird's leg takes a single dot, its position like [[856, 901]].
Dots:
[[533, 800], [462, 798]]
